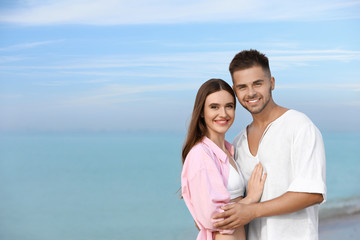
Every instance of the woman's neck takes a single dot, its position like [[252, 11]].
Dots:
[[219, 140]]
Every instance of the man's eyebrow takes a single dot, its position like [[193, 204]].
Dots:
[[256, 81], [259, 80]]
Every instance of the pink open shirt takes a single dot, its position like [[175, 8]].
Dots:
[[203, 181]]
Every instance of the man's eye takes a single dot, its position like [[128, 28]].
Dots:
[[230, 106]]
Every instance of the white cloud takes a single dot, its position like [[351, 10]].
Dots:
[[116, 89], [6, 59], [325, 51], [113, 12], [126, 93], [27, 45], [345, 86], [172, 65], [180, 65], [315, 57], [68, 83]]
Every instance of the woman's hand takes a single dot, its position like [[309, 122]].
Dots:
[[255, 185]]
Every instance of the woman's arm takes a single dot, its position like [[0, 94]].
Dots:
[[238, 234], [203, 189]]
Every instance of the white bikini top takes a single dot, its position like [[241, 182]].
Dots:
[[236, 182]]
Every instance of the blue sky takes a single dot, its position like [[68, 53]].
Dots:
[[111, 65]]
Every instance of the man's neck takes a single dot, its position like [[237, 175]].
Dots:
[[267, 115]]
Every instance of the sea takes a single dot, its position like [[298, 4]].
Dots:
[[124, 185]]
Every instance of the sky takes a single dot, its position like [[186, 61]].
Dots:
[[81, 65]]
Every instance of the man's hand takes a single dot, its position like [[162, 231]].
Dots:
[[235, 215], [239, 214]]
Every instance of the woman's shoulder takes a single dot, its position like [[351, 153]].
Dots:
[[196, 150], [199, 155]]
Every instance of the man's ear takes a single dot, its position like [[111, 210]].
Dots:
[[272, 80]]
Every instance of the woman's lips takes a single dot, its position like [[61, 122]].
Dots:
[[222, 121]]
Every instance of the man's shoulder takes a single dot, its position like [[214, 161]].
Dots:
[[239, 137], [296, 118]]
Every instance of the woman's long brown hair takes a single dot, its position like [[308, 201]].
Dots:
[[197, 128]]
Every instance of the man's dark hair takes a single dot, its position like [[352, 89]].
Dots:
[[247, 59]]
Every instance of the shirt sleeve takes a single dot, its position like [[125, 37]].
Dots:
[[309, 166], [207, 190]]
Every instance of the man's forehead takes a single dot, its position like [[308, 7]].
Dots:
[[249, 75]]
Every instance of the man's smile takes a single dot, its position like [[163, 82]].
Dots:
[[254, 101]]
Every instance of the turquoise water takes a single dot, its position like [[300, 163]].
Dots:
[[119, 185]]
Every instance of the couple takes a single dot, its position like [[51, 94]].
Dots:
[[278, 160]]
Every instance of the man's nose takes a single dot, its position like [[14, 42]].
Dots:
[[251, 92]]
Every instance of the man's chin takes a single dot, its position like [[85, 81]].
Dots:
[[254, 110]]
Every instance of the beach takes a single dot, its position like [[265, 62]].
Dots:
[[344, 227], [99, 186]]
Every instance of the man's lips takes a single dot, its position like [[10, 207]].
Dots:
[[253, 101]]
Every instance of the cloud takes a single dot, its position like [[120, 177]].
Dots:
[[114, 12], [325, 51], [125, 93], [282, 59], [68, 83], [172, 65], [179, 65], [345, 86], [23, 46], [6, 59], [189, 58], [117, 89]]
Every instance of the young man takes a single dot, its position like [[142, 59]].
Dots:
[[290, 148]]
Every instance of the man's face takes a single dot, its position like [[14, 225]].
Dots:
[[253, 88]]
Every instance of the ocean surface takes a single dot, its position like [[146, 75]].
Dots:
[[107, 186]]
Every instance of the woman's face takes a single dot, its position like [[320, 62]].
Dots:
[[219, 112]]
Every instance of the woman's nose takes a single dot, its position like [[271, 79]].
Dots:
[[223, 112]]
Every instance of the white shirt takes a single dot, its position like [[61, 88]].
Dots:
[[292, 153]]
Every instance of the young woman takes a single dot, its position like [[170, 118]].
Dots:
[[210, 177]]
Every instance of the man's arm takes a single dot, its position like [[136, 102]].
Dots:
[[239, 214]]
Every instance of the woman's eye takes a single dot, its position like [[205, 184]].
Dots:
[[213, 107]]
